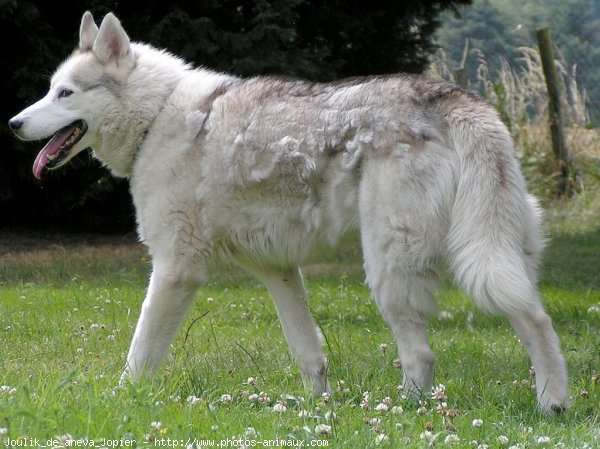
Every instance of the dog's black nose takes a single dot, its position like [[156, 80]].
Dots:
[[15, 123]]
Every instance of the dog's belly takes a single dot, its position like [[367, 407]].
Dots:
[[283, 221], [281, 235]]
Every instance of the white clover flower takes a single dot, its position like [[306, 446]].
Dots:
[[323, 429], [253, 397], [7, 390], [226, 398], [477, 422], [366, 397], [397, 409], [250, 432], [263, 397], [280, 407], [251, 381], [303, 414], [421, 410], [243, 394], [593, 310], [383, 347], [542, 439], [156, 425], [214, 428], [374, 422], [503, 440], [426, 435], [330, 415], [193, 400], [3, 432], [452, 439], [441, 407], [438, 393], [381, 408], [381, 438]]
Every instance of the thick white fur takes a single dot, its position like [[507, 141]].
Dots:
[[262, 171]]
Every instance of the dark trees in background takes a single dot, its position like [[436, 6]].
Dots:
[[318, 40]]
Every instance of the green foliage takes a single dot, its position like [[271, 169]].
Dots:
[[500, 104]]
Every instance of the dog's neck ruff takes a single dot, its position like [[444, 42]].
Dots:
[[151, 83], [157, 80]]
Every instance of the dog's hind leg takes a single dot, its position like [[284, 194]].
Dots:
[[301, 332], [167, 301], [534, 328], [402, 234], [504, 280], [403, 290], [402, 301]]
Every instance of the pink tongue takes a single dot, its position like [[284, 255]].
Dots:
[[50, 149]]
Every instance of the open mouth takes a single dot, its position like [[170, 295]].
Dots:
[[57, 149]]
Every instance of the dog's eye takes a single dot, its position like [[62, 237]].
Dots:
[[64, 93]]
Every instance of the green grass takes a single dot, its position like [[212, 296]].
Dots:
[[68, 312]]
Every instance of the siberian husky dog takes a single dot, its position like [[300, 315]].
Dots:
[[262, 171]]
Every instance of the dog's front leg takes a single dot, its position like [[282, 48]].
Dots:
[[167, 301]]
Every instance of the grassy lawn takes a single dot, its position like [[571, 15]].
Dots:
[[68, 308]]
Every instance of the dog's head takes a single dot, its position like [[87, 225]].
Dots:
[[83, 88]]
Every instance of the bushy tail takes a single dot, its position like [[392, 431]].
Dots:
[[494, 240]]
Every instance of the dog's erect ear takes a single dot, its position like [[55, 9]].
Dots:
[[87, 32], [112, 43]]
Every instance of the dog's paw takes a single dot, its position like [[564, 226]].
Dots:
[[554, 405]]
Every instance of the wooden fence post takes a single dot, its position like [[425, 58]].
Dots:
[[460, 74], [557, 123]]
